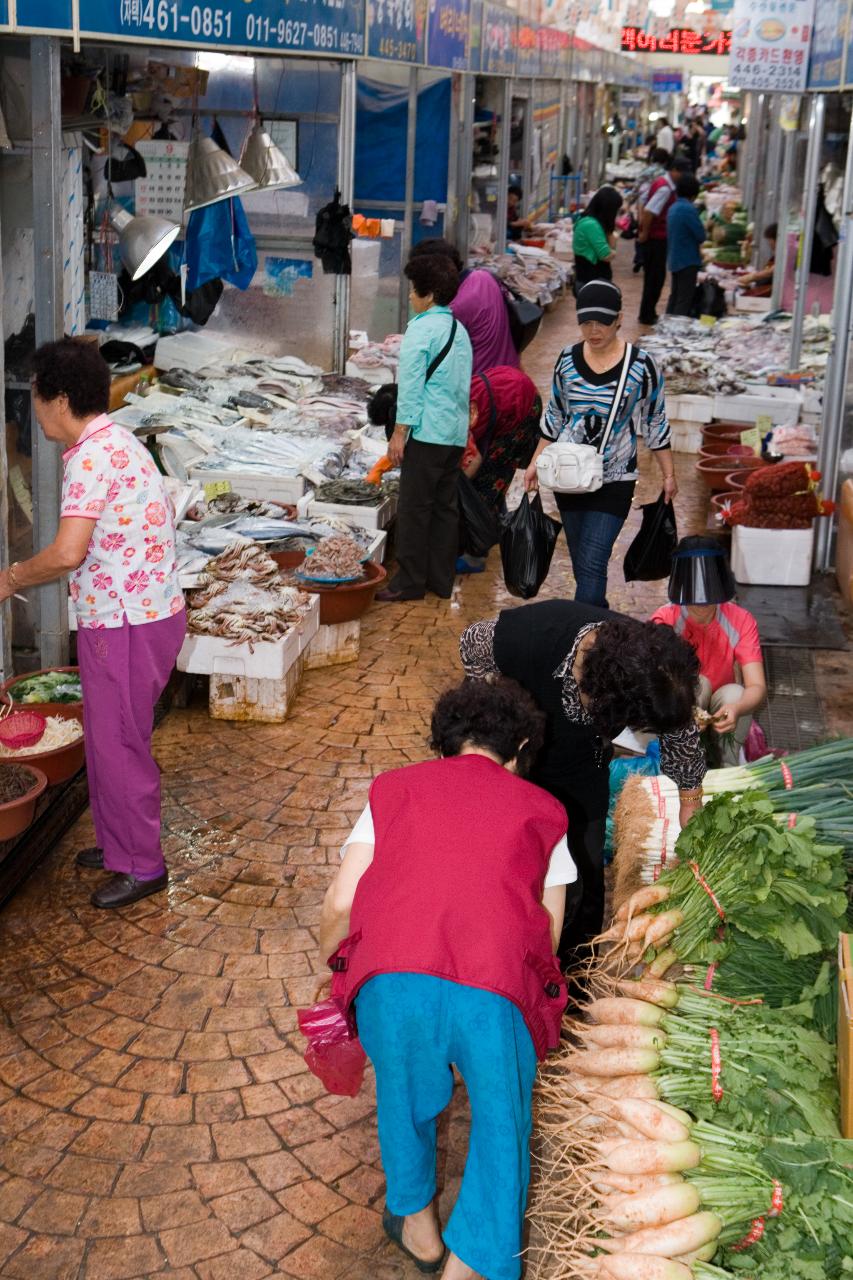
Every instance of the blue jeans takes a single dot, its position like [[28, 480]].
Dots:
[[412, 1027], [591, 535]]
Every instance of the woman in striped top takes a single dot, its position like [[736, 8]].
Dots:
[[585, 379]]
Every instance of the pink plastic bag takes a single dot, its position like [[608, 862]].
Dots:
[[333, 1055], [756, 747]]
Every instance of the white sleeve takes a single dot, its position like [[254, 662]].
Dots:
[[362, 832], [561, 868]]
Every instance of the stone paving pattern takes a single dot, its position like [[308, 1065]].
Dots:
[[156, 1116]]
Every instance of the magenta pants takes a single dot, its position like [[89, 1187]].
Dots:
[[123, 671]]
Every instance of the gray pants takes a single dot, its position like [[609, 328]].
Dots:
[[714, 700]]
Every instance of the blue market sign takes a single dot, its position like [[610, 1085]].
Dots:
[[396, 30], [499, 42], [828, 37], [449, 34], [334, 27]]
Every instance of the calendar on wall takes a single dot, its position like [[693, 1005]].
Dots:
[[161, 191]]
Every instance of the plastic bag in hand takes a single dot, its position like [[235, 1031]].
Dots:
[[333, 1055], [649, 556], [479, 529], [527, 546]]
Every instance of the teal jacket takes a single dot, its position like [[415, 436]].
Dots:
[[435, 411]]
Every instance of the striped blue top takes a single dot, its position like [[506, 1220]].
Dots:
[[580, 406]]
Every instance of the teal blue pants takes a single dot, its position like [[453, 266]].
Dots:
[[413, 1027]]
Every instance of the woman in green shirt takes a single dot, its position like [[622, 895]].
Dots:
[[594, 237]]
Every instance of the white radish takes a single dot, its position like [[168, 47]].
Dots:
[[622, 1011], [630, 1183], [616, 1062], [650, 1120], [662, 964], [653, 1157], [705, 1254], [675, 1112], [653, 1208], [633, 1266], [628, 1087], [663, 926], [649, 896], [671, 1240], [653, 990], [629, 930], [611, 1036]]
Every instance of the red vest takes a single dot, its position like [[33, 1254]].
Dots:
[[455, 888]]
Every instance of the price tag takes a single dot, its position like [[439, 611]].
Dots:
[[215, 489], [751, 438], [763, 424], [708, 321]]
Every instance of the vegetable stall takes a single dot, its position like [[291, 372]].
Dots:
[[691, 1124]]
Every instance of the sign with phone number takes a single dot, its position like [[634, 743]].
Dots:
[[396, 30], [299, 26]]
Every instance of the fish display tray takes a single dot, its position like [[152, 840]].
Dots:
[[259, 485], [213, 655]]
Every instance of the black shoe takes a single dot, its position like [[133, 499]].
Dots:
[[121, 890], [92, 857], [388, 596], [393, 1226]]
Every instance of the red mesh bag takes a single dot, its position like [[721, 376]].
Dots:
[[333, 1055]]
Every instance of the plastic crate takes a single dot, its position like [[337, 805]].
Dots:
[[772, 557]]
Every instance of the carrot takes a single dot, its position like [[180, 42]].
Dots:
[[662, 926], [670, 1240], [633, 1266], [631, 1183], [649, 896], [654, 1157], [616, 1062], [652, 990], [622, 1010], [652, 1208], [661, 964], [627, 1037], [628, 1087], [651, 1121]]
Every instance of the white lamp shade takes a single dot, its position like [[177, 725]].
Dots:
[[142, 241], [212, 174], [266, 162]]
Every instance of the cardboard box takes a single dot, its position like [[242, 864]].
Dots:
[[845, 1031]]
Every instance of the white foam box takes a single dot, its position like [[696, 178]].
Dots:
[[256, 484], [685, 437], [811, 419], [812, 400], [376, 377], [690, 408], [309, 624], [245, 698], [781, 411], [793, 394], [265, 660], [745, 304], [772, 557], [378, 517], [334, 645]]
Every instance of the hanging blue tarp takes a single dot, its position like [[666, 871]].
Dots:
[[380, 142]]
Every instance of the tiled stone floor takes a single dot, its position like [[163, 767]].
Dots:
[[156, 1116]]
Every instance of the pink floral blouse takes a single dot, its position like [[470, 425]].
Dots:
[[130, 569]]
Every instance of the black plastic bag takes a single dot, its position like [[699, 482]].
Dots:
[[649, 556], [527, 545], [709, 299], [524, 318], [479, 527]]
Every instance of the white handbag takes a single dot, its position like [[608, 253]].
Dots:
[[579, 468]]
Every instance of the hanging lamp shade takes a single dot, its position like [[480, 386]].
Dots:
[[212, 174], [142, 241], [266, 162]]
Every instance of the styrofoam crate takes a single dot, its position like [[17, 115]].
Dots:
[[245, 698], [685, 437], [812, 400], [748, 408], [772, 557], [811, 419], [376, 550], [378, 517], [309, 624], [334, 645], [259, 485], [690, 408], [778, 393], [745, 304], [213, 655]]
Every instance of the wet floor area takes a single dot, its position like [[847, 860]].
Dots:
[[156, 1116]]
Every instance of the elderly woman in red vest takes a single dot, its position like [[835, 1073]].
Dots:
[[440, 929]]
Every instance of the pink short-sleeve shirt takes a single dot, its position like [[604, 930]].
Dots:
[[130, 570]]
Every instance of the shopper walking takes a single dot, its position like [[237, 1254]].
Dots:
[[430, 433], [116, 540], [685, 234], [594, 240], [479, 305], [665, 139], [652, 237], [440, 928], [593, 673], [586, 378]]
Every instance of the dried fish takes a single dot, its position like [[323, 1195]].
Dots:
[[350, 493]]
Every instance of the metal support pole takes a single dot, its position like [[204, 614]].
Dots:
[[780, 266], [503, 168], [752, 159], [451, 215], [465, 157], [409, 196], [345, 176], [6, 610], [770, 181], [809, 213], [835, 386], [49, 603]]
